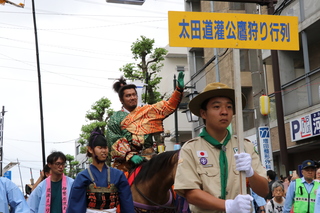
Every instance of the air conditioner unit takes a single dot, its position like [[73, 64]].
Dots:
[[180, 68]]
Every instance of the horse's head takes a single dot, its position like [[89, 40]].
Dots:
[[162, 165], [152, 183]]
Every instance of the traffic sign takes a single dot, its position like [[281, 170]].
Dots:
[[7, 174]]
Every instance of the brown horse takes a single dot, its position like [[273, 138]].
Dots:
[[152, 185]]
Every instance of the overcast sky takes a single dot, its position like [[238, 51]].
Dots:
[[82, 43]]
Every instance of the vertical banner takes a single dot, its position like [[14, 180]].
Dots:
[[265, 147]]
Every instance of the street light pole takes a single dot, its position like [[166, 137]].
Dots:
[[39, 84], [175, 113]]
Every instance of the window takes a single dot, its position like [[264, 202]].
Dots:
[[180, 68], [78, 149], [295, 93], [196, 62], [236, 6], [244, 60]]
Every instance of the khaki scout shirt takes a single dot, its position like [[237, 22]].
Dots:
[[198, 168]]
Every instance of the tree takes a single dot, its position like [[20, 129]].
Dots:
[[98, 116], [148, 67], [71, 170]]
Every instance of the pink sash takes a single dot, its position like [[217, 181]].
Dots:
[[64, 194]]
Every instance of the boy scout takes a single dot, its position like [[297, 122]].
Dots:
[[208, 170]]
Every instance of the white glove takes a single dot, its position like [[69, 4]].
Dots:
[[243, 163], [242, 203]]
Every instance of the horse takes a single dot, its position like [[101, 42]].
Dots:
[[152, 186]]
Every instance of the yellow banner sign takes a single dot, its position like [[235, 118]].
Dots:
[[232, 30]]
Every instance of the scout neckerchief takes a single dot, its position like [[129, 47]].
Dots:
[[222, 158], [64, 194]]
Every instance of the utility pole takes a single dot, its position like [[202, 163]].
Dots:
[[279, 105], [1, 139], [39, 84], [39, 75]]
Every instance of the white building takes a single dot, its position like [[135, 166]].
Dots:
[[176, 60]]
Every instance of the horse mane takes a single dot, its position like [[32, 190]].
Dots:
[[155, 165]]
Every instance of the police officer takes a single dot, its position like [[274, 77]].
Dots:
[[301, 192]]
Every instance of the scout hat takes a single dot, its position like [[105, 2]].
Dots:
[[213, 90], [308, 163]]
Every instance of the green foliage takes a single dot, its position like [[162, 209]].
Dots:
[[83, 149], [97, 116], [71, 169], [131, 73], [148, 67]]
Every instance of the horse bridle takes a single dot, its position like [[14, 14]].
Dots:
[[156, 204]]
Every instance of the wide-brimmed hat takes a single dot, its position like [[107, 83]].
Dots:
[[213, 90]]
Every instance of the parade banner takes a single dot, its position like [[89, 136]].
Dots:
[[232, 30]]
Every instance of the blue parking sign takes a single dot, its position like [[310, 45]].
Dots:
[[7, 174]]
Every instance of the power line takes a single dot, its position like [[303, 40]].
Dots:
[[67, 76], [86, 76], [85, 15], [54, 142], [102, 87], [64, 47]]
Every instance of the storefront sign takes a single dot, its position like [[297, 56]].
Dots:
[[305, 126]]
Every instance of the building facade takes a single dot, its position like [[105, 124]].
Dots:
[[299, 77], [177, 128], [300, 86]]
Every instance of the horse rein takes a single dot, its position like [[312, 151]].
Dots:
[[156, 204]]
